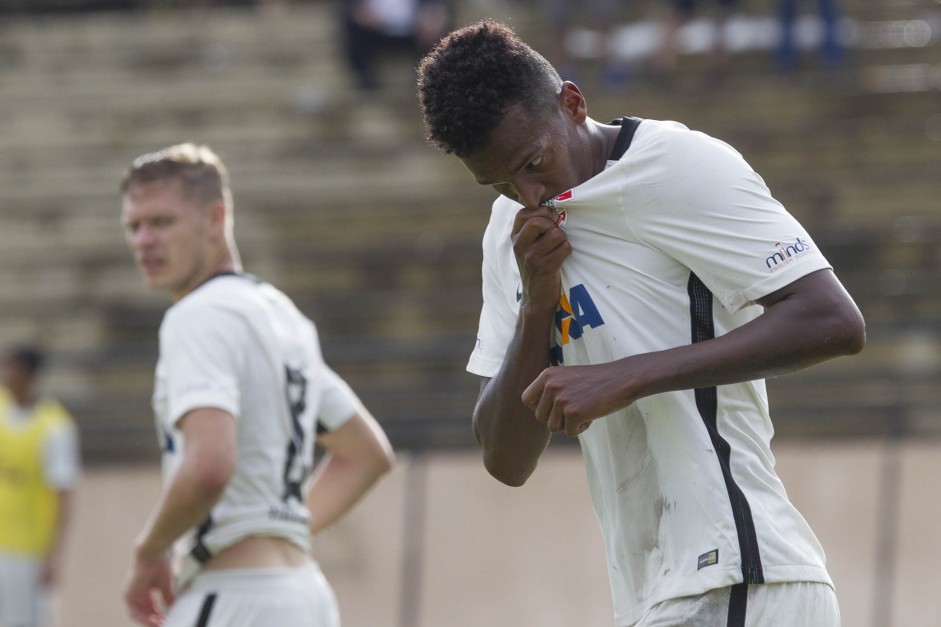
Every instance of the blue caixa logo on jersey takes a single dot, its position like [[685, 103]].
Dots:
[[576, 313]]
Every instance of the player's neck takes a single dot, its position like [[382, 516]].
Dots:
[[24, 399], [224, 264]]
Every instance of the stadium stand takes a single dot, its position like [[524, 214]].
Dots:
[[377, 237]]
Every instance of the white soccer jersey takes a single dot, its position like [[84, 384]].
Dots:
[[240, 345], [683, 483]]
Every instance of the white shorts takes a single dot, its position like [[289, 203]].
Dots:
[[258, 597], [796, 604], [24, 601]]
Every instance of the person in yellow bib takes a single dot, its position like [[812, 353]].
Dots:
[[39, 467]]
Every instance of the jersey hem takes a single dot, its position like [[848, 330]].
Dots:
[[722, 579]]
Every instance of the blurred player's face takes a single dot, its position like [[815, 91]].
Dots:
[[531, 158], [14, 377], [170, 235]]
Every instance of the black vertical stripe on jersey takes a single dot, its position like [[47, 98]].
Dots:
[[738, 602], [206, 610], [700, 309], [199, 551], [297, 403]]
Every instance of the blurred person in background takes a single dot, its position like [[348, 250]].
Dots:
[[372, 29], [832, 51], [602, 16], [242, 392], [639, 283], [39, 469], [680, 13]]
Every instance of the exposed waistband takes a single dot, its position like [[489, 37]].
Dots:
[[253, 578]]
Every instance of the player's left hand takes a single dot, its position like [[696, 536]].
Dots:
[[149, 590], [569, 398]]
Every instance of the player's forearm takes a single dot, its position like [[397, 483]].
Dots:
[[62, 522], [54, 554], [806, 322], [509, 436], [795, 333], [184, 505], [338, 484]]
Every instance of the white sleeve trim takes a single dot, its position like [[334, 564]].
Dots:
[[339, 402]]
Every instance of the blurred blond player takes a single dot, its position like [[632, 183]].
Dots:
[[39, 466], [241, 394]]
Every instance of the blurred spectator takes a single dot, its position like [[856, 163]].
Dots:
[[831, 48], [374, 28], [665, 59], [602, 17], [39, 466]]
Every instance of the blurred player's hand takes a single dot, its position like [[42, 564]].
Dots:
[[540, 247], [149, 590], [49, 572]]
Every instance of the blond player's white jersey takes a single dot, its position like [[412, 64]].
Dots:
[[240, 345], [673, 244]]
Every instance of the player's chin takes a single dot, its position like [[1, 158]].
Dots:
[[158, 282], [153, 281]]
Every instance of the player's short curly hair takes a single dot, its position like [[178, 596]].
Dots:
[[470, 79]]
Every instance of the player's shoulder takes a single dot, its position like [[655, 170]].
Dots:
[[676, 147], [227, 303], [219, 297], [223, 291], [58, 416], [502, 214], [665, 134]]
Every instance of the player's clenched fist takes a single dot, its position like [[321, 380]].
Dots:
[[569, 398], [540, 248]]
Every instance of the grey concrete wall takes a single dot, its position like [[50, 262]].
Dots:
[[441, 544]]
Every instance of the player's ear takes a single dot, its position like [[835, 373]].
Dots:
[[573, 101], [217, 216]]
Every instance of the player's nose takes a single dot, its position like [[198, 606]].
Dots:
[[142, 237], [529, 194]]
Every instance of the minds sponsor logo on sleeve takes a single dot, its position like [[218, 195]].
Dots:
[[785, 253]]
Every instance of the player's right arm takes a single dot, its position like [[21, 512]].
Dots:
[[509, 435], [209, 459]]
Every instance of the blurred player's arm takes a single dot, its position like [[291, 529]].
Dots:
[[208, 463], [358, 453], [61, 469], [509, 436], [52, 562]]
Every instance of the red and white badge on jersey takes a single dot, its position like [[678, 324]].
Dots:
[[556, 205]]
